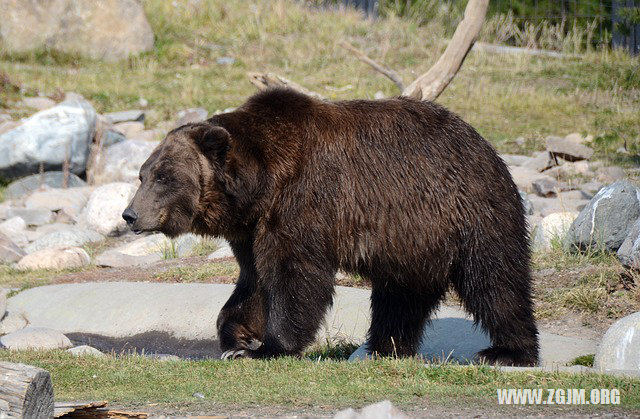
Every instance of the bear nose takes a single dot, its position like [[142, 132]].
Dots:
[[129, 216]]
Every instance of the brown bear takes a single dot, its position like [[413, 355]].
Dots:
[[399, 191]]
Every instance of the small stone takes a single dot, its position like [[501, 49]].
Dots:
[[620, 346], [520, 141], [629, 251], [378, 95], [610, 174], [12, 322], [540, 162], [125, 116], [576, 137], [143, 102], [191, 115], [225, 60], [130, 128], [38, 103], [62, 258], [105, 206], [9, 251], [35, 338], [384, 409], [84, 350], [32, 216], [222, 252], [568, 150], [553, 227], [547, 187], [198, 395]]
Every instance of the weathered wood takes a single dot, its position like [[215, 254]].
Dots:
[[429, 85], [25, 391], [390, 74], [266, 80]]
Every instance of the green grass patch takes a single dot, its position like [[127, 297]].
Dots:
[[24, 279], [135, 380], [200, 273], [584, 360]]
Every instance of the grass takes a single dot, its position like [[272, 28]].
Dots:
[[199, 273], [503, 96], [288, 382]]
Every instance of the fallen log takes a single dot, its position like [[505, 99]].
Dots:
[[25, 391]]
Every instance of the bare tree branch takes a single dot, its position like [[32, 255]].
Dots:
[[429, 85], [390, 74], [266, 80]]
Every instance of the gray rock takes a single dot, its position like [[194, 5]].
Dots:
[[126, 116], [121, 162], [72, 236], [553, 227], [610, 174], [15, 229], [84, 350], [620, 346], [71, 200], [526, 202], [35, 338], [8, 126], [108, 29], [25, 186], [547, 187], [9, 251], [147, 250], [191, 115], [540, 162], [223, 252], [592, 187], [103, 212], [12, 322], [32, 216], [576, 137], [574, 195], [524, 178], [569, 170], [48, 138], [3, 302], [567, 149], [58, 258], [514, 159], [629, 251], [381, 410], [225, 60], [38, 103], [607, 220], [130, 128], [111, 137]]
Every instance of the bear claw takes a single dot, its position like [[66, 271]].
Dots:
[[233, 354]]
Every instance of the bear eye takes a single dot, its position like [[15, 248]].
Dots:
[[162, 178]]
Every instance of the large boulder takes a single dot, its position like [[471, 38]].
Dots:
[[55, 179], [106, 29], [121, 162], [567, 149], [35, 338], [629, 251], [103, 212], [607, 220], [553, 228], [620, 346], [73, 236], [66, 258], [49, 138], [71, 200], [15, 229]]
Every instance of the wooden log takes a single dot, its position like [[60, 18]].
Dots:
[[266, 80], [390, 74], [25, 391]]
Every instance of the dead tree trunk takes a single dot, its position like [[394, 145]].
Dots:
[[25, 391], [429, 85]]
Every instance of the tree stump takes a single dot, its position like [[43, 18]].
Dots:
[[25, 391]]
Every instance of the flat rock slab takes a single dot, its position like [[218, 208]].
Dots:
[[180, 319]]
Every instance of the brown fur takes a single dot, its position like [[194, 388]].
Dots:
[[400, 191]]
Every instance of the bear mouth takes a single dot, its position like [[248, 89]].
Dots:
[[136, 231]]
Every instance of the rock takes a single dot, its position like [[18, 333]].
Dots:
[[524, 178], [146, 250], [8, 126], [514, 159], [25, 186], [547, 187], [14, 228], [223, 252], [382, 410], [592, 187], [191, 115], [3, 302], [568, 150], [49, 138], [108, 29], [31, 216], [569, 170], [59, 258], [104, 209], [620, 346], [553, 228], [629, 251], [574, 195], [225, 60], [9, 251], [606, 221], [73, 236], [577, 138], [526, 203], [126, 116], [121, 162], [610, 174], [130, 128], [84, 350], [38, 103], [71, 200], [12, 322], [566, 205], [149, 135], [35, 338], [540, 162]]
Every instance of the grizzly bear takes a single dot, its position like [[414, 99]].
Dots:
[[399, 191]]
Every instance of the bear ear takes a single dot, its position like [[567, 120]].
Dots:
[[212, 140]]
